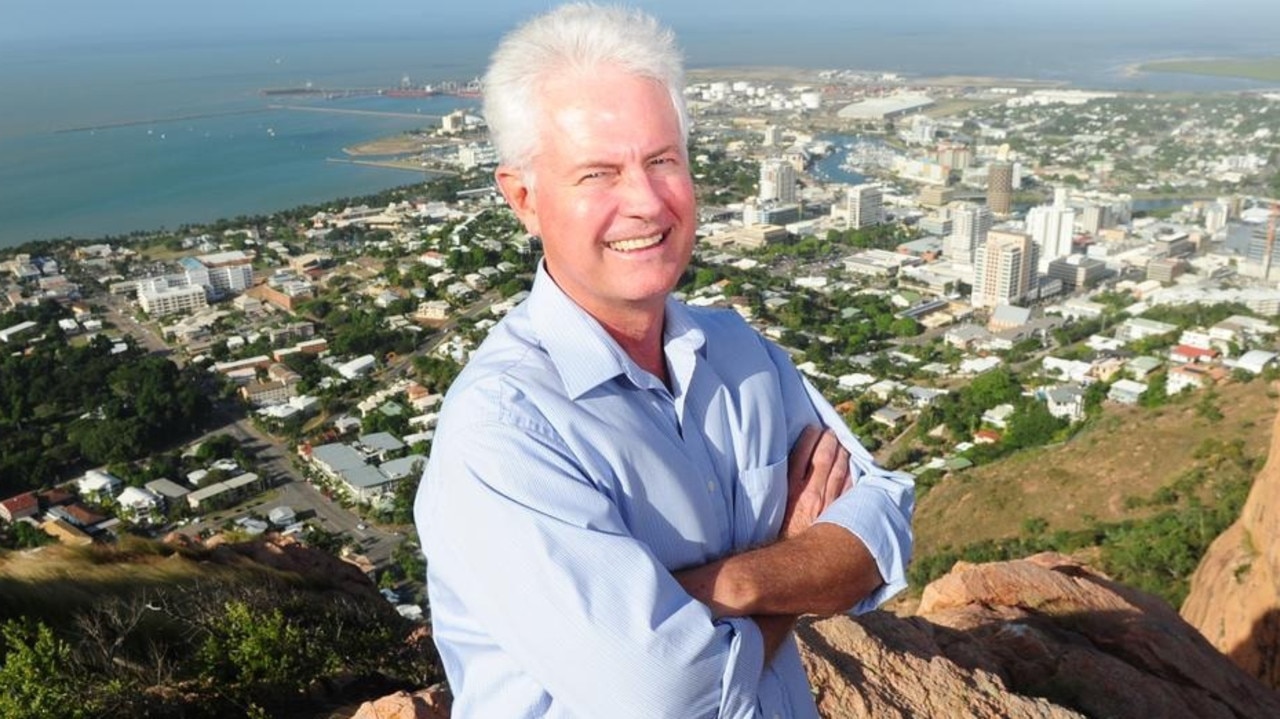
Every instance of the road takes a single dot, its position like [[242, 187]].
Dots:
[[273, 459]]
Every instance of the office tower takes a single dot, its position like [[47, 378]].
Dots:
[[1000, 188], [772, 135], [1003, 269], [863, 205], [1052, 228], [777, 181], [969, 226]]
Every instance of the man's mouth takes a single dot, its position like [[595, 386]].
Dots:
[[635, 243]]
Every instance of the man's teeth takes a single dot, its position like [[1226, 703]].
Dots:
[[638, 243]]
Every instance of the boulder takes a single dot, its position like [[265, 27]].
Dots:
[[1040, 637]]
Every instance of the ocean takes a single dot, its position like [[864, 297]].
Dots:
[[233, 155]]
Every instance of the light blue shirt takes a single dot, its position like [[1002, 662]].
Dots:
[[566, 484]]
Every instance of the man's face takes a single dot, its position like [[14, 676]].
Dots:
[[610, 192]]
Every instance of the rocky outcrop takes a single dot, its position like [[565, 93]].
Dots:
[[1040, 637], [1235, 592], [432, 703]]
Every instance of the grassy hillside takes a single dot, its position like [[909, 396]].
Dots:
[[143, 629], [1136, 475]]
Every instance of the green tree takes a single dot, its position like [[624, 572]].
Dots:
[[35, 676]]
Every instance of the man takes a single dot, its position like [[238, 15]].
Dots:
[[628, 501]]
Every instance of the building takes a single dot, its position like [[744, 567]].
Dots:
[[1000, 188], [7, 335], [1126, 391], [159, 297], [97, 485], [777, 182], [1052, 228], [228, 272], [1078, 272], [885, 108], [954, 155], [1138, 328], [139, 504], [970, 224], [1095, 217], [1165, 269], [23, 505], [1003, 269], [935, 196], [864, 205]]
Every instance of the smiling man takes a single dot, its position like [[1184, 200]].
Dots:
[[629, 501]]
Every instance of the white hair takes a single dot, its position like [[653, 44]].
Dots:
[[577, 36]]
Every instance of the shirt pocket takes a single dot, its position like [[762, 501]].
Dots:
[[760, 498]]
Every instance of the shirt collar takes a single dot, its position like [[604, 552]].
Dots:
[[583, 353]]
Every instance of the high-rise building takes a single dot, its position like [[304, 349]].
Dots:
[[1003, 269], [1095, 218], [777, 181], [954, 155], [863, 205], [772, 135], [1052, 228], [969, 226], [1000, 188]]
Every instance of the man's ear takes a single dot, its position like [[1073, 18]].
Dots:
[[519, 195]]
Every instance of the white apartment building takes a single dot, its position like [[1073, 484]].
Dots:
[[970, 224], [228, 272], [777, 181], [160, 296], [864, 205], [1003, 269], [1051, 228]]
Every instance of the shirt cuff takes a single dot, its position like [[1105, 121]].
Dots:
[[739, 692], [877, 510]]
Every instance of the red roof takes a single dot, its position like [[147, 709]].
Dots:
[[1193, 352], [23, 505]]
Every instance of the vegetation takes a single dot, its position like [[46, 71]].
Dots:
[[240, 641], [63, 406], [1264, 69]]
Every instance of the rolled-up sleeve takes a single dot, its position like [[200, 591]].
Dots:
[[547, 568], [879, 506]]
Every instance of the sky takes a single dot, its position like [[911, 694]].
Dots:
[[51, 21]]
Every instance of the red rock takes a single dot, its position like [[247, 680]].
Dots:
[[1041, 637], [1235, 592], [431, 703]]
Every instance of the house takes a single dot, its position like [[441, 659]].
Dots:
[[139, 504], [97, 485], [1138, 328], [889, 416], [998, 416], [1066, 402], [1126, 391], [1071, 370], [986, 436], [1256, 361], [282, 516], [66, 532], [169, 490], [357, 367], [1187, 376], [922, 397], [77, 515], [978, 365], [23, 505], [379, 444], [1185, 354], [1140, 367]]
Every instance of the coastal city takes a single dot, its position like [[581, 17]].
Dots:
[[966, 267]]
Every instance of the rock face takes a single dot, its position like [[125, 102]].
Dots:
[[1040, 637], [432, 703], [1235, 592]]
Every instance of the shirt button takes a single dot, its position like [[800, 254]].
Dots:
[[711, 487]]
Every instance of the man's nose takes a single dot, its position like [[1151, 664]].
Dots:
[[640, 194]]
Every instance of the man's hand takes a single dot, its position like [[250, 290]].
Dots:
[[817, 473]]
